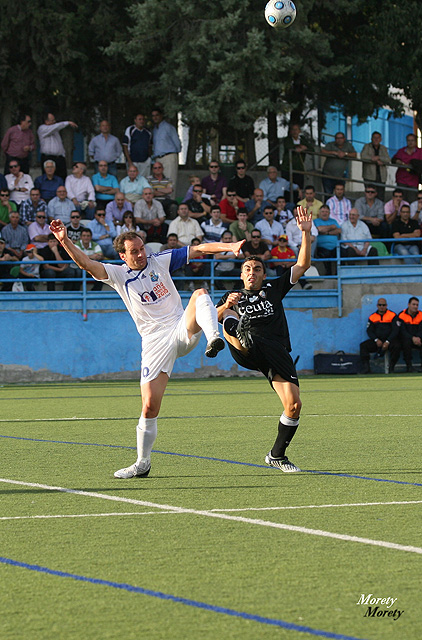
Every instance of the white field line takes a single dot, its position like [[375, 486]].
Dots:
[[318, 506], [223, 516], [85, 515]]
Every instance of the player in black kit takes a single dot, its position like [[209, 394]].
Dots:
[[256, 330]]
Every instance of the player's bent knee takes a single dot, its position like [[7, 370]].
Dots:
[[293, 408], [199, 292]]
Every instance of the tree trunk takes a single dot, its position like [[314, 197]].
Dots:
[[273, 144], [250, 152], [215, 144], [191, 153]]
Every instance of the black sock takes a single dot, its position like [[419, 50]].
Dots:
[[230, 325], [285, 435]]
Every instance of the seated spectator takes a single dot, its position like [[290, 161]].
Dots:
[[6, 207], [128, 223], [3, 183], [415, 208], [81, 190], [6, 256], [92, 250], [30, 207], [310, 202], [329, 232], [104, 233], [198, 206], [48, 182], [30, 267], [375, 157], [163, 189], [257, 247], [410, 332], [269, 228], [105, 184], [75, 228], [405, 227], [371, 212], [241, 229], [274, 186], [172, 242], [38, 231], [383, 331], [226, 266], [196, 269], [213, 228], [295, 236], [133, 185], [339, 204], [408, 180], [193, 180], [336, 164], [229, 207], [149, 213], [393, 207], [15, 235], [214, 184], [60, 207], [116, 208], [281, 213], [282, 252], [255, 206], [185, 227], [241, 183], [18, 183], [354, 229], [55, 254]]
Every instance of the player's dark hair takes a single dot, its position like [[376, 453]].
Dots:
[[413, 298], [119, 242], [255, 259]]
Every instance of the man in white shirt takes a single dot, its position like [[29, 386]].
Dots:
[[81, 190], [354, 229], [295, 236], [51, 144], [150, 214], [18, 183], [269, 228], [185, 227]]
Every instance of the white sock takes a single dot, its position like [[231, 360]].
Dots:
[[146, 433], [206, 316]]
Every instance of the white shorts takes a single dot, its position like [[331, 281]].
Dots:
[[160, 350]]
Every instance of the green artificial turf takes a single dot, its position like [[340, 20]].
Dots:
[[358, 426]]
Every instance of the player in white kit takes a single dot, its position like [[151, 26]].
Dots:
[[168, 331]]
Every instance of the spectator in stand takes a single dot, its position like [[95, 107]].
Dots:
[[269, 228], [375, 156], [185, 227], [241, 229], [410, 320], [408, 178], [6, 256], [299, 145], [172, 242], [137, 145], [48, 182], [150, 214], [163, 189], [60, 207], [117, 208], [281, 213], [30, 267], [295, 238], [105, 147], [81, 190], [199, 207], [29, 208], [6, 207], [104, 233], [255, 206], [197, 269], [3, 182], [15, 235], [38, 230], [405, 227], [215, 184], [393, 207], [371, 211], [92, 250], [127, 224], [166, 146], [18, 183], [105, 184], [309, 202], [354, 229], [256, 246], [241, 183], [193, 180], [226, 266], [282, 252], [55, 254], [416, 208], [229, 207], [133, 185], [18, 142], [213, 228], [274, 186], [383, 329], [336, 164], [329, 232], [51, 144], [339, 204], [75, 228]]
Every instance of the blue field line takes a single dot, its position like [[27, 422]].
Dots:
[[191, 455], [186, 601]]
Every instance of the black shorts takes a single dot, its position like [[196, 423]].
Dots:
[[269, 357]]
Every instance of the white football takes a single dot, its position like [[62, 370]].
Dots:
[[280, 13]]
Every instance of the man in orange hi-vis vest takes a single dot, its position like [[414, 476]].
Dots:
[[383, 330], [410, 321]]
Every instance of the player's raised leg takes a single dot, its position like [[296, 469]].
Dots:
[[288, 393], [202, 314]]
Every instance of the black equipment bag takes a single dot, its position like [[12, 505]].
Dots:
[[336, 363]]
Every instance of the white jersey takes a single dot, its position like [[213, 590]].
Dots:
[[150, 295]]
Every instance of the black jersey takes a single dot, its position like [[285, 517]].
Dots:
[[265, 308]]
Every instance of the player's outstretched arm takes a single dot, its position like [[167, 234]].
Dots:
[[304, 222], [96, 269], [215, 247]]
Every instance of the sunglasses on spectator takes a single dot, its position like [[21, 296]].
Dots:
[[214, 166], [101, 215], [4, 194], [40, 217], [381, 304], [255, 236], [370, 191], [13, 166], [197, 190], [75, 217]]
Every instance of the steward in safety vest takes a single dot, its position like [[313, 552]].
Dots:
[[410, 320], [383, 329]]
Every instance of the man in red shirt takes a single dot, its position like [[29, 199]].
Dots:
[[18, 141], [230, 206], [284, 252]]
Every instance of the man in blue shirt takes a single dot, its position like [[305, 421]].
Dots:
[[137, 146], [105, 185], [274, 186], [48, 182], [60, 207], [105, 147], [166, 146], [104, 233], [329, 232]]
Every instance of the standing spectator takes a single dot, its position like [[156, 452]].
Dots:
[[60, 207], [281, 213], [274, 186], [75, 228], [48, 182], [215, 184], [104, 233], [105, 185], [29, 208], [371, 211], [92, 250], [163, 189], [6, 255], [15, 235], [6, 207], [408, 178], [310, 202], [81, 190], [185, 227], [18, 142], [410, 332], [329, 232], [199, 206], [405, 227], [336, 164], [105, 147], [269, 228], [255, 206], [116, 209], [354, 229], [241, 229], [416, 208], [30, 267], [150, 214], [38, 231], [241, 183], [18, 183], [51, 144], [166, 146], [213, 228], [299, 145], [229, 207], [339, 205], [375, 156], [383, 329], [282, 252], [137, 145], [133, 185], [55, 253], [393, 207]]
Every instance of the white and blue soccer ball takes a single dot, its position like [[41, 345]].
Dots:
[[280, 13]]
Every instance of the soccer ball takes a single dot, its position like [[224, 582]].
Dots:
[[280, 13]]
